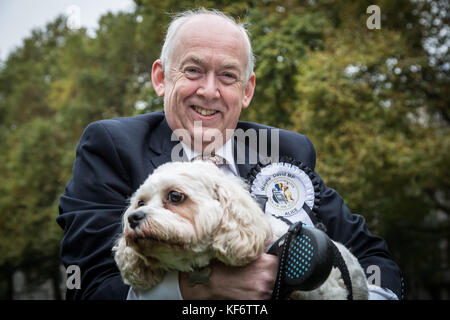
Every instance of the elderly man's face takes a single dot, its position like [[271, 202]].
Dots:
[[206, 81]]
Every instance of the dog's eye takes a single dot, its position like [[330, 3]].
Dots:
[[175, 197], [141, 203]]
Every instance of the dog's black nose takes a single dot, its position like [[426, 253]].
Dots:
[[135, 218]]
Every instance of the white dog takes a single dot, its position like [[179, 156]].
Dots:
[[187, 213]]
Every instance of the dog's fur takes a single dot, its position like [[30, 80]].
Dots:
[[218, 219]]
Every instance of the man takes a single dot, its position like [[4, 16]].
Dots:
[[205, 74]]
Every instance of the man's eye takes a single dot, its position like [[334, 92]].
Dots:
[[229, 77], [175, 197], [192, 72], [141, 203]]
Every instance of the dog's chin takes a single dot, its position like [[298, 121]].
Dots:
[[162, 253], [149, 245], [146, 241]]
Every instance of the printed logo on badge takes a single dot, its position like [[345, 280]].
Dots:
[[291, 189], [284, 194]]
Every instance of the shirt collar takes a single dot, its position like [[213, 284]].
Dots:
[[225, 151]]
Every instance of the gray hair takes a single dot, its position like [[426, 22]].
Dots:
[[180, 18]]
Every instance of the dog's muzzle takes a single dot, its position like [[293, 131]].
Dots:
[[135, 218]]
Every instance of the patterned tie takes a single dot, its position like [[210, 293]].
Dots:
[[217, 160]]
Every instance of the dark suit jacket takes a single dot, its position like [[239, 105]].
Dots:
[[115, 156]]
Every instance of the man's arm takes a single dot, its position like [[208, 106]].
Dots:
[[351, 230], [343, 226], [90, 214]]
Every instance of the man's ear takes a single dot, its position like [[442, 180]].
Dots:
[[158, 78], [249, 91]]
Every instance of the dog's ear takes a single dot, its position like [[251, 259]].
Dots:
[[243, 229]]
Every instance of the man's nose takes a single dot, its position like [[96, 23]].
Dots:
[[135, 218], [209, 87]]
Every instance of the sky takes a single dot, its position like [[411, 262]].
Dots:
[[19, 17]]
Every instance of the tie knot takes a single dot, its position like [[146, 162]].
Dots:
[[217, 160]]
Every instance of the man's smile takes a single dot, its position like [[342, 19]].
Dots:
[[209, 113]]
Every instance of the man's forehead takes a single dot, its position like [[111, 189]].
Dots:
[[209, 31], [226, 63], [201, 21]]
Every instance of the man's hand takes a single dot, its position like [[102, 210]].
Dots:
[[252, 282]]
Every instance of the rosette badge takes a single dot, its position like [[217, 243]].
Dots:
[[291, 188]]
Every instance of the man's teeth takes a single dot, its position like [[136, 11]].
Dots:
[[204, 112]]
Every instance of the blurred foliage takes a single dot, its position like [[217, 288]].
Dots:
[[375, 103]]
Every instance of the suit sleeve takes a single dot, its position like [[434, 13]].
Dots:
[[351, 230], [90, 214]]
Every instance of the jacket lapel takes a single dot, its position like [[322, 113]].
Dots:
[[162, 145], [241, 152], [246, 156]]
